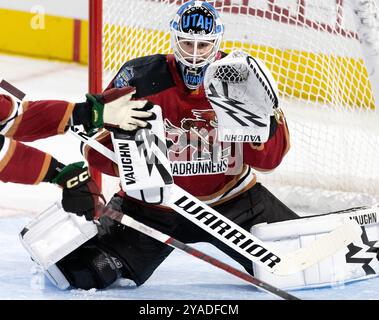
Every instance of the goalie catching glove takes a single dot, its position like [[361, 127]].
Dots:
[[244, 96], [81, 194]]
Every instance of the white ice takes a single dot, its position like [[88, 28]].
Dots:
[[180, 277]]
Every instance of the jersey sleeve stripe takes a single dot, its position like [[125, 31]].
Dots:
[[44, 169], [239, 184], [4, 149], [63, 124], [7, 152], [7, 123], [15, 123], [221, 192], [12, 112], [286, 134], [240, 181], [243, 187]]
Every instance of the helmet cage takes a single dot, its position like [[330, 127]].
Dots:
[[196, 57]]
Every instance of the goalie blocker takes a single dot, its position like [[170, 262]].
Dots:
[[355, 262]]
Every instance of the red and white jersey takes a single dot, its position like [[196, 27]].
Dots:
[[212, 171], [28, 121]]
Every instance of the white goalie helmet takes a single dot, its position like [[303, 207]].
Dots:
[[196, 35]]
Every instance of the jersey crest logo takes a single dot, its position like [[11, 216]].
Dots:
[[194, 147], [124, 76]]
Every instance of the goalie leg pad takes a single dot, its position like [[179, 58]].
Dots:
[[57, 277], [90, 267], [355, 262], [54, 233]]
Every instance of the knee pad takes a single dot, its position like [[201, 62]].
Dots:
[[90, 267]]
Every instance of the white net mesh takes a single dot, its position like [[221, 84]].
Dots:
[[314, 52]]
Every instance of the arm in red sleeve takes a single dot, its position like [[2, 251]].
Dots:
[[99, 161], [269, 155], [37, 119], [22, 164]]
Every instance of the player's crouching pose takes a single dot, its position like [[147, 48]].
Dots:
[[219, 173], [32, 120]]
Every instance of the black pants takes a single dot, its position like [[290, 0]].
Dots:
[[141, 255]]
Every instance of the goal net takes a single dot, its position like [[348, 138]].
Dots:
[[323, 54]]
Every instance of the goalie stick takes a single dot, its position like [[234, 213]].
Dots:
[[241, 240], [176, 244], [12, 90]]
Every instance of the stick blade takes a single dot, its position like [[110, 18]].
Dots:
[[320, 249]]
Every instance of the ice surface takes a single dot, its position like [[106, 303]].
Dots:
[[181, 276]]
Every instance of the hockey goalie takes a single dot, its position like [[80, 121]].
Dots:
[[219, 118]]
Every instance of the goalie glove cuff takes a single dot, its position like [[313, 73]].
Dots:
[[72, 175], [89, 113], [54, 169], [97, 109]]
